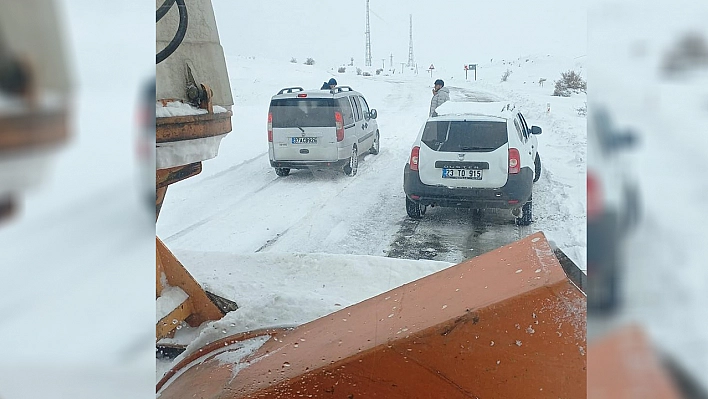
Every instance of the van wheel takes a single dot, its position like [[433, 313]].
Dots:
[[526, 214], [414, 209], [351, 168], [537, 168], [282, 172], [375, 146]]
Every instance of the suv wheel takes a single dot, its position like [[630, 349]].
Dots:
[[282, 172], [351, 168], [537, 168], [526, 214], [375, 146], [414, 209]]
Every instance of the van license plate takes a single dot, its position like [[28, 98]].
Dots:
[[304, 140], [474, 174]]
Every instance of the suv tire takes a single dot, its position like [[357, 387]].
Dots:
[[282, 172], [374, 150], [526, 213], [414, 209], [353, 165], [537, 168]]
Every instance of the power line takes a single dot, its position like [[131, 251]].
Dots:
[[368, 37], [410, 46]]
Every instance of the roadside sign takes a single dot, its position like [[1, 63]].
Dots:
[[471, 67], [431, 66]]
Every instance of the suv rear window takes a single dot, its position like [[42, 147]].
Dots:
[[303, 112], [465, 136]]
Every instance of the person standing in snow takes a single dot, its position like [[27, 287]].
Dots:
[[440, 95], [331, 85]]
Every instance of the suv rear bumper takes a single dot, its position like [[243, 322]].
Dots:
[[517, 188], [309, 164]]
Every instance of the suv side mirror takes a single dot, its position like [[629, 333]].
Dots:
[[535, 130], [373, 114]]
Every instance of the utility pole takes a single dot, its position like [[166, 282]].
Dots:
[[392, 61], [368, 37], [402, 65], [383, 63], [410, 46]]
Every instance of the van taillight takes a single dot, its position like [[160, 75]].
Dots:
[[270, 127], [594, 196], [514, 161], [415, 154], [339, 124]]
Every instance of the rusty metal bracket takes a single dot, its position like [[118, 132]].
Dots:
[[206, 101], [33, 129], [168, 176], [177, 128]]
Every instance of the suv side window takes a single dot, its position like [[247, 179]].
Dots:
[[524, 126], [519, 130], [364, 108], [357, 108], [346, 108]]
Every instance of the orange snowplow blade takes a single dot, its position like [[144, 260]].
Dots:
[[624, 365], [507, 324]]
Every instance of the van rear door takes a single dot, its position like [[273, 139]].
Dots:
[[304, 129]]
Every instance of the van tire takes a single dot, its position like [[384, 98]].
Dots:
[[414, 209], [526, 214], [537, 168], [374, 150], [282, 172], [353, 165]]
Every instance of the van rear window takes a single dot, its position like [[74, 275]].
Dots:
[[465, 136], [303, 112]]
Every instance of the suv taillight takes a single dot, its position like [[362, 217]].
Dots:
[[270, 127], [514, 161], [415, 154], [339, 124], [594, 196]]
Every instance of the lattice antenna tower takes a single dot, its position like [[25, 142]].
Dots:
[[411, 63], [368, 37]]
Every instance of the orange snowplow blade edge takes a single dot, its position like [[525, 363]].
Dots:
[[506, 324]]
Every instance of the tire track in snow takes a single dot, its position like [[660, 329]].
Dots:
[[215, 215], [235, 167]]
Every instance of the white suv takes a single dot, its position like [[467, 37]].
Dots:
[[320, 128], [474, 155]]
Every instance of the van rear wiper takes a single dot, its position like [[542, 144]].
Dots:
[[301, 129]]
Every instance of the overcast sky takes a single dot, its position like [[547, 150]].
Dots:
[[454, 32]]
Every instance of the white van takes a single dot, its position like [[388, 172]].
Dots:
[[320, 128]]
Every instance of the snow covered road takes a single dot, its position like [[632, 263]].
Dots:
[[239, 205]]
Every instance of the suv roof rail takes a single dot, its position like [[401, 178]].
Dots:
[[340, 89], [290, 89]]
